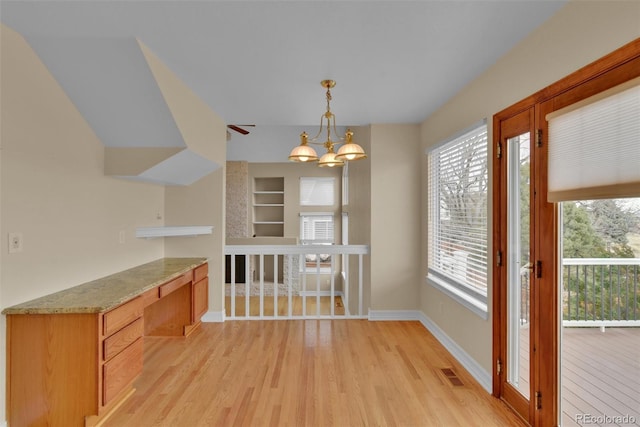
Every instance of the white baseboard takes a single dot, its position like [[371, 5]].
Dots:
[[378, 315], [211, 317], [469, 363]]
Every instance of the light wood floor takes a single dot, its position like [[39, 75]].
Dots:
[[306, 373]]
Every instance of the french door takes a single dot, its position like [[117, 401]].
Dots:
[[526, 309], [524, 304]]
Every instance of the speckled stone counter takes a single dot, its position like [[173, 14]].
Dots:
[[103, 294]]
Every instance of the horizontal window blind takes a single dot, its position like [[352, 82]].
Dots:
[[457, 222], [316, 228], [594, 147], [317, 191]]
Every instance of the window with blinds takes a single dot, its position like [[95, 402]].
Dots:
[[457, 222], [316, 229], [317, 191]]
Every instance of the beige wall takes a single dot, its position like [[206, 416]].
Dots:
[[395, 216], [358, 208], [53, 190], [578, 34], [55, 193], [201, 203]]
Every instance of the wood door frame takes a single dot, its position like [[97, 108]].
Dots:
[[520, 123], [611, 70]]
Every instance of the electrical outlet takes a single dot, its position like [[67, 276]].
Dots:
[[121, 236], [15, 242]]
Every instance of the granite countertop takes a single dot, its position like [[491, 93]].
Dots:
[[108, 292]]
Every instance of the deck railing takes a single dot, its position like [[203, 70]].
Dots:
[[295, 281], [601, 292]]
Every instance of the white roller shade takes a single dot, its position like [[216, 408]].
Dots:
[[594, 146], [315, 191]]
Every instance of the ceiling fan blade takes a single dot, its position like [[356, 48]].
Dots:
[[239, 129]]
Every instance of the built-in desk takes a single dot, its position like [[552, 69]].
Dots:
[[72, 356]]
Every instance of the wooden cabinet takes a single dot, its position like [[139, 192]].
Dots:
[[200, 292], [119, 372], [200, 298], [175, 284], [121, 348], [122, 315], [72, 369], [122, 339], [52, 369]]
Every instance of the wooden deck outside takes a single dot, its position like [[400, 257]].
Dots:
[[600, 376]]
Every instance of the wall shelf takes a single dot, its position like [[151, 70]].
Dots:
[[173, 231]]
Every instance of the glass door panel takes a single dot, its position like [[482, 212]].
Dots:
[[600, 293], [519, 264]]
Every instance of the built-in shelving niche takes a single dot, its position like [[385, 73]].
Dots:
[[268, 206]]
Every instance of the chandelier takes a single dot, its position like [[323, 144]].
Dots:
[[349, 151]]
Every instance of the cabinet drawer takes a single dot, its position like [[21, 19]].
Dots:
[[121, 371], [200, 272], [149, 297], [121, 339], [177, 283], [122, 315]]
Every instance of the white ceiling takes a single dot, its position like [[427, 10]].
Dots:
[[261, 62]]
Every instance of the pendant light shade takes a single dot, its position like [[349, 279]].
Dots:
[[303, 152], [329, 159], [350, 150]]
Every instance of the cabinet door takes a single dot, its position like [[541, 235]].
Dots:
[[120, 371], [200, 299]]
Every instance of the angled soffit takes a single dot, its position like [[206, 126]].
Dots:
[[150, 127]]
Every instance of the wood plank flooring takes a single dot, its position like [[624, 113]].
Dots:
[[600, 374], [306, 373]]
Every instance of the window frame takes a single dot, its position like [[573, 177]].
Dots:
[[466, 294], [325, 266]]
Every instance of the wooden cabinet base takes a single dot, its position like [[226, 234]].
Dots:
[[97, 420], [74, 369], [52, 377], [190, 328]]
